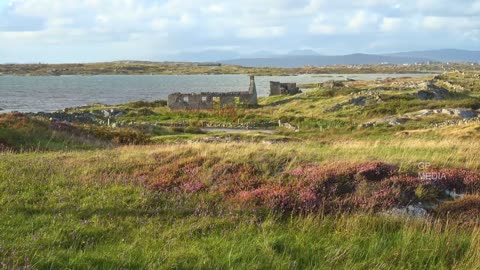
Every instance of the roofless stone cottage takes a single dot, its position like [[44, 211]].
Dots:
[[211, 100]]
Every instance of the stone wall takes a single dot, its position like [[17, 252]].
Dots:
[[277, 88], [212, 100]]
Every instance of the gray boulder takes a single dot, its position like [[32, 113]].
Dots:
[[433, 92], [358, 101], [463, 113], [332, 84], [396, 121]]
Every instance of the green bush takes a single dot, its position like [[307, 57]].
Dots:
[[147, 104]]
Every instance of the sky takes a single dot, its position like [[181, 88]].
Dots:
[[54, 31]]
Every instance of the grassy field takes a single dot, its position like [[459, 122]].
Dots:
[[328, 193], [96, 209]]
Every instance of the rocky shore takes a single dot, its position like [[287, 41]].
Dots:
[[111, 118]]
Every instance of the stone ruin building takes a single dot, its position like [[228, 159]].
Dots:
[[212, 100], [277, 88]]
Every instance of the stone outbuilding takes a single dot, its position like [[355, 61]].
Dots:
[[213, 100], [277, 88]]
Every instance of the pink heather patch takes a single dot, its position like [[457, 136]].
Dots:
[[254, 197], [191, 169], [280, 198], [296, 172], [193, 186], [308, 199], [459, 179]]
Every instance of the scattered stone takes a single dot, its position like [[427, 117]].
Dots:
[[433, 92], [113, 113], [219, 139], [368, 125], [99, 117], [358, 101], [416, 211], [382, 88], [331, 84], [466, 115], [459, 112], [287, 126], [405, 85], [396, 121], [457, 122], [363, 98], [454, 195], [454, 87]]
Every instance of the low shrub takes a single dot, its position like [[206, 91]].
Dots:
[[464, 210], [118, 135], [147, 104], [328, 188], [459, 180], [376, 171], [145, 112]]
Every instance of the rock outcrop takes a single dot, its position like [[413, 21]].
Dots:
[[462, 113], [331, 84], [363, 98], [465, 114], [433, 92]]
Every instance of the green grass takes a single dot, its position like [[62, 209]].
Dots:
[[20, 133], [84, 210]]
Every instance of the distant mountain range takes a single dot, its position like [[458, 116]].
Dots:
[[289, 61], [449, 55], [304, 58], [300, 58]]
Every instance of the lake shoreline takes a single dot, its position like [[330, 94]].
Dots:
[[54, 93]]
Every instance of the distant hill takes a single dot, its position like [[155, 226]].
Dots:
[[447, 55], [302, 58], [203, 56], [303, 52], [292, 61]]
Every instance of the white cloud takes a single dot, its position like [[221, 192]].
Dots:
[[389, 24], [186, 19], [473, 35], [436, 23], [320, 25], [160, 24], [476, 7], [363, 20], [215, 9], [168, 25], [261, 32]]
